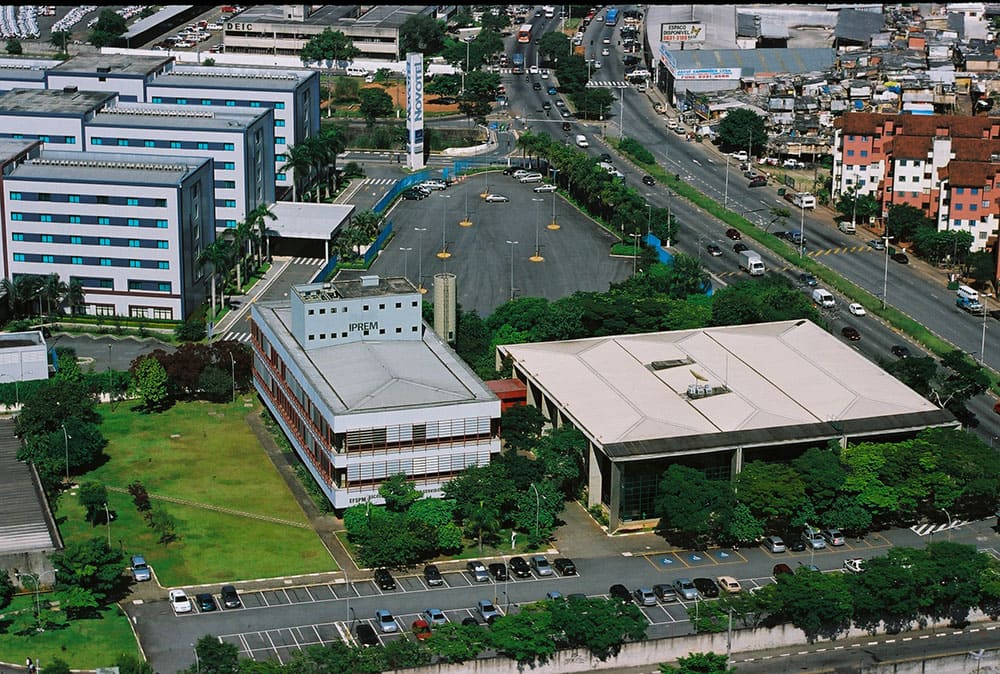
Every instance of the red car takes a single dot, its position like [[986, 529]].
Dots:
[[421, 630], [996, 408]]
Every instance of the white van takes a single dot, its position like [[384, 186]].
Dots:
[[356, 71], [823, 297], [581, 141], [847, 227]]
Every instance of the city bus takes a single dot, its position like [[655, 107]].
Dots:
[[611, 17], [524, 34]]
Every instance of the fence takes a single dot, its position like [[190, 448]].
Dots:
[[370, 254]]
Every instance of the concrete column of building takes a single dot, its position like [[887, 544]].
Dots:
[[736, 462], [593, 477], [615, 505]]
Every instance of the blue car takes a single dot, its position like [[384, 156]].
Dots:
[[552, 91]]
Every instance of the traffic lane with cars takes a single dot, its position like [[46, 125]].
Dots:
[[480, 256]]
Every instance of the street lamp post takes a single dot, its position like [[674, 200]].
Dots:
[[802, 228], [512, 244], [537, 257], [949, 522], [197, 660], [982, 347], [466, 222], [621, 121], [725, 200], [443, 253], [110, 381], [406, 255], [36, 580], [635, 250], [420, 257], [107, 520], [538, 504], [885, 272], [554, 223], [233, 363], [66, 437]]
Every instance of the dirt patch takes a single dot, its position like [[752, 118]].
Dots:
[[397, 91]]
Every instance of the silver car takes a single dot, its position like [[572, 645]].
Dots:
[[541, 565], [686, 589], [774, 544], [813, 538], [644, 597]]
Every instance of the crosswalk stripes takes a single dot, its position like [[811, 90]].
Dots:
[[609, 84], [379, 181], [315, 261], [926, 529], [236, 337]]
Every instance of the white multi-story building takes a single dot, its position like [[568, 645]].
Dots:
[[128, 227], [239, 141], [364, 391], [56, 117], [126, 75], [292, 95]]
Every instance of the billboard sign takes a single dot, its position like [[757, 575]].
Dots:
[[682, 32], [708, 74], [415, 110]]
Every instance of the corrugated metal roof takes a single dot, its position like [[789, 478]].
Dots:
[[752, 61], [858, 26]]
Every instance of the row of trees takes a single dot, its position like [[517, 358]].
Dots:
[[863, 486], [194, 371], [896, 591], [314, 162], [38, 294], [512, 493], [231, 257], [531, 635]]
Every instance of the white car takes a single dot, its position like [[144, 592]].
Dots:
[[520, 173], [597, 65], [434, 184], [533, 70], [740, 156], [545, 188], [545, 74], [494, 198], [531, 178], [606, 40], [856, 309], [856, 565], [179, 601], [605, 52]]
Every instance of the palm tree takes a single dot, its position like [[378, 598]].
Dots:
[[298, 158], [369, 222], [334, 143], [52, 290], [215, 254], [258, 225], [239, 235], [18, 293], [74, 295]]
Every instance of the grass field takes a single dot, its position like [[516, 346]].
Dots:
[[85, 644], [207, 454]]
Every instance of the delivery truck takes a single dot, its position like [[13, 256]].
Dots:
[[751, 263]]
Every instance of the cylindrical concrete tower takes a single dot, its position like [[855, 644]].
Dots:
[[445, 300]]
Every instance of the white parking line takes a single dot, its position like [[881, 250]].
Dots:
[[273, 647]]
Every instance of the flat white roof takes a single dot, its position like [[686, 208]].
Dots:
[[304, 220], [634, 388]]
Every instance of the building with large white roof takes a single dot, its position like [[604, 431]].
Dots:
[[364, 391], [710, 398]]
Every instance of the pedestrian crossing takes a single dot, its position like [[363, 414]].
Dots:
[[840, 251], [379, 181], [926, 529], [236, 337], [309, 261], [608, 84]]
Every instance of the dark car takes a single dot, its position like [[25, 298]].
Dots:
[[413, 195], [795, 543], [366, 634], [606, 157], [230, 598], [780, 569], [432, 575], [739, 247], [758, 181], [552, 91], [621, 592], [706, 587], [901, 258], [546, 106], [206, 602], [384, 579], [498, 571], [470, 621], [851, 333], [566, 126], [648, 180], [564, 566], [665, 593], [520, 567], [900, 351], [808, 279], [537, 86], [733, 234], [714, 249]]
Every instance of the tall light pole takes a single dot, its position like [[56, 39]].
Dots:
[[406, 255], [512, 244], [443, 253], [554, 224], [66, 437], [621, 120], [466, 221], [197, 660], [802, 228], [233, 362], [885, 272], [486, 189], [107, 520], [110, 381], [725, 201], [982, 347], [420, 258], [538, 504], [635, 250], [537, 257]]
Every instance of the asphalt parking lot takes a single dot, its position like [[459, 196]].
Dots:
[[576, 256]]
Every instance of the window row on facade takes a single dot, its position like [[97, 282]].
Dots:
[[229, 103], [108, 310], [367, 333], [155, 223], [91, 261], [62, 239], [88, 199]]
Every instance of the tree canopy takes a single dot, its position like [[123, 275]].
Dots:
[[743, 129]]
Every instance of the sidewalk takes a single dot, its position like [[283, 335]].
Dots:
[[240, 304]]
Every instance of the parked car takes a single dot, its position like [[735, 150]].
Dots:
[[793, 164], [140, 570], [434, 184], [774, 544], [706, 587], [780, 569], [413, 195], [230, 598], [179, 601], [813, 538], [901, 258], [644, 596], [496, 198], [517, 172], [541, 565], [833, 536], [729, 584], [434, 616], [498, 570], [552, 595], [856, 565], [385, 621], [477, 571], [531, 178], [900, 351], [734, 234], [384, 579], [432, 575], [421, 630], [714, 249], [206, 602], [520, 567], [877, 244], [686, 589], [665, 593], [619, 591], [740, 155], [851, 333], [366, 634], [545, 188], [808, 279], [565, 566], [648, 180], [487, 610], [796, 544]]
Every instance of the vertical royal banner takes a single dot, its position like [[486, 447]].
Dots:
[[415, 110]]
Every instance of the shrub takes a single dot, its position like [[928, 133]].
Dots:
[[192, 330], [631, 146]]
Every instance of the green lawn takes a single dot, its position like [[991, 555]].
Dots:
[[85, 644], [205, 453]]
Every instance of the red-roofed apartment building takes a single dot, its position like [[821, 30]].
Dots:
[[946, 165]]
